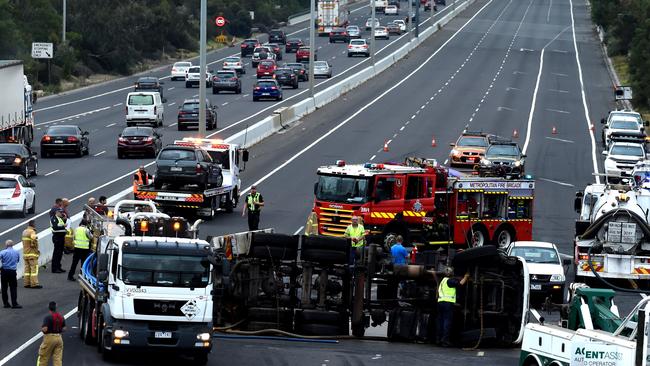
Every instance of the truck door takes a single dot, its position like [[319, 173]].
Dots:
[[419, 198], [388, 197]]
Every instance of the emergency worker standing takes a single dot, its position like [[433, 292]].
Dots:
[[357, 234], [58, 223], [253, 204], [30, 256], [82, 238], [52, 345], [141, 177], [446, 301]]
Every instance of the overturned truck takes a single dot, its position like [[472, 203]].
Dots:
[[267, 282]]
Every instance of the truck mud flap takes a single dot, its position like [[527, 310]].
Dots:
[[411, 325]]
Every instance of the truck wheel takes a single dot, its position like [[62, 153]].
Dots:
[[318, 329], [473, 254], [477, 237], [504, 237], [81, 319], [325, 256], [231, 202], [88, 323]]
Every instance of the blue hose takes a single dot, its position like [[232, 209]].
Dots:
[[87, 270], [273, 338]]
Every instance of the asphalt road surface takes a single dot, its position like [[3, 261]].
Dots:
[[500, 66]]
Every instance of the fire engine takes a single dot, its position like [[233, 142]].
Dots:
[[423, 202]]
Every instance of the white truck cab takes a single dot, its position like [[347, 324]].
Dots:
[[144, 107]]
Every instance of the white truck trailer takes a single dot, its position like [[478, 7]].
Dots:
[[331, 14], [16, 100]]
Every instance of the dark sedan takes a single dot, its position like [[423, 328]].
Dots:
[[226, 80], [64, 139], [181, 165], [286, 76], [339, 34], [18, 159], [188, 114], [293, 44], [300, 70], [150, 83], [138, 140]]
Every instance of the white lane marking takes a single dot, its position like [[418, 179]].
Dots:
[[73, 116], [560, 51], [373, 157], [173, 124], [402, 128], [52, 172], [556, 182], [539, 78], [558, 91], [561, 140], [100, 153], [548, 15], [557, 111], [504, 109], [446, 161], [518, 72], [297, 231], [512, 88], [83, 99], [363, 108], [171, 104], [584, 97], [117, 105], [224, 103], [172, 88], [245, 95], [195, 95], [559, 74], [36, 337], [111, 125]]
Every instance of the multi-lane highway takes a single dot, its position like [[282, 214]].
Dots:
[[501, 66]]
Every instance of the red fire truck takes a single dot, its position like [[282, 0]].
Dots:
[[424, 203]]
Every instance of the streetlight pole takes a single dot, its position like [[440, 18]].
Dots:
[[64, 20], [312, 45], [202, 81], [410, 19], [372, 32], [433, 6], [417, 20]]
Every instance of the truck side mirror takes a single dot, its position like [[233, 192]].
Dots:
[[604, 153], [315, 188], [244, 155], [452, 144], [602, 120], [102, 267], [577, 203], [566, 261]]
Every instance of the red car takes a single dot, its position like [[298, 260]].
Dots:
[[302, 55], [266, 69]]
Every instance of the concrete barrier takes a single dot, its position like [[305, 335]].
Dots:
[[278, 120]]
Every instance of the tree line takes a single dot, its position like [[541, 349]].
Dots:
[[115, 36], [627, 28]]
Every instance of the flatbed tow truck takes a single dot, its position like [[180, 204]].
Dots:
[[190, 200]]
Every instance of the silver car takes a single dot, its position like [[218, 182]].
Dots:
[[353, 31], [322, 68]]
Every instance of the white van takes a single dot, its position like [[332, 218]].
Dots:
[[144, 107]]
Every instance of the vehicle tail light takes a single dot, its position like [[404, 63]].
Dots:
[[199, 169], [257, 88], [365, 46], [345, 33], [16, 191], [148, 140], [331, 34], [243, 45], [72, 139], [216, 79], [349, 46], [18, 160], [233, 79], [239, 64], [274, 88], [126, 109], [173, 69], [46, 138]]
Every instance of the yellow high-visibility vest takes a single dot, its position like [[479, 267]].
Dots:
[[81, 239], [446, 293]]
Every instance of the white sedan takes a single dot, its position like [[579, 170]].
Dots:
[[180, 69], [381, 32], [401, 24], [17, 194], [234, 63], [391, 10]]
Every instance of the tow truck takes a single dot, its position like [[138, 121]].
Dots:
[[146, 285], [424, 202], [591, 332], [206, 202]]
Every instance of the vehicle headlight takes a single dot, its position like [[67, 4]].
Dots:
[[557, 278], [610, 164], [204, 337], [518, 163], [455, 152], [120, 333], [486, 162]]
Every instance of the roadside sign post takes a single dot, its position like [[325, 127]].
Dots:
[[373, 14], [220, 21], [44, 50]]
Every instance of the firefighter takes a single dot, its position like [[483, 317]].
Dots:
[[141, 177], [30, 256], [254, 202], [446, 301], [57, 223], [52, 345], [82, 238], [357, 234]]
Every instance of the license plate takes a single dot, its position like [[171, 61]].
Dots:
[[58, 142], [195, 114], [266, 93], [163, 334], [2, 160], [176, 169], [535, 287]]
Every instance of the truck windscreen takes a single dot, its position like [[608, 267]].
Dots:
[[163, 270], [221, 157], [343, 189]]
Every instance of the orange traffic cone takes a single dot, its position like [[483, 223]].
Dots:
[[515, 133], [386, 145], [433, 141], [554, 131]]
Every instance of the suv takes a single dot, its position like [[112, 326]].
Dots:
[[545, 267], [277, 36], [302, 55], [150, 83], [226, 80], [181, 165], [248, 45], [193, 77], [627, 123], [469, 149], [266, 69], [188, 114], [621, 158], [286, 76], [358, 46], [261, 53], [293, 44], [502, 158], [339, 34], [300, 70]]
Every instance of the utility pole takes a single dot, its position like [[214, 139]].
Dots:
[[312, 45], [372, 32], [417, 20], [410, 19], [202, 81], [64, 19], [433, 6]]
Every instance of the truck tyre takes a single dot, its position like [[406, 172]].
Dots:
[[231, 201], [317, 316], [81, 319], [326, 243], [477, 237], [88, 323], [318, 329], [503, 237], [358, 330], [325, 256]]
